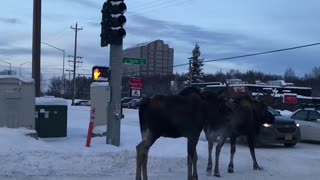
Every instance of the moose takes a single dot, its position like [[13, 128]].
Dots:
[[244, 117], [182, 115], [172, 116]]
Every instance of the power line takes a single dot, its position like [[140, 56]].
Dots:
[[242, 56], [158, 7], [255, 54], [158, 4]]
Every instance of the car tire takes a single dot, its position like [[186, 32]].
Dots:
[[290, 144]]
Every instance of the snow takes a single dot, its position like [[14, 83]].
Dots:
[[24, 157], [10, 77], [50, 101], [103, 84]]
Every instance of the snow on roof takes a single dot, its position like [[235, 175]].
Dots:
[[98, 84], [8, 77], [49, 100]]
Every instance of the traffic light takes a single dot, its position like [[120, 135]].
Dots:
[[106, 24], [100, 73], [113, 20]]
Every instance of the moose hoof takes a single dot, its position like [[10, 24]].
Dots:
[[257, 168], [216, 174], [230, 170], [208, 173]]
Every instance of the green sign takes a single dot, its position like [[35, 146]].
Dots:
[[134, 61]]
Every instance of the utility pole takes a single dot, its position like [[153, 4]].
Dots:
[[36, 47], [75, 65], [76, 29], [69, 93], [190, 72]]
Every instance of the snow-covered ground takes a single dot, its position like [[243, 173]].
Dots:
[[23, 157]]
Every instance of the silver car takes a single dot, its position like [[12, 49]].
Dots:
[[309, 120]]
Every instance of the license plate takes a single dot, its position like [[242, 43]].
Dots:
[[288, 137]]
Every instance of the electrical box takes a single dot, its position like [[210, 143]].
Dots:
[[17, 102], [51, 116], [100, 97]]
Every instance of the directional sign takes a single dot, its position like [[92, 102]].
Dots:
[[128, 60]]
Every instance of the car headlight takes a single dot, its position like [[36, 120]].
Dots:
[[266, 125], [297, 124]]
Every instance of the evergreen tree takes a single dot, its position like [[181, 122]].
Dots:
[[195, 67]]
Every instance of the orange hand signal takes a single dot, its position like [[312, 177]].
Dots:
[[96, 73]]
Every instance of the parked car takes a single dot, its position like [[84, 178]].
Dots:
[[134, 103], [284, 130], [125, 102], [309, 119], [82, 103]]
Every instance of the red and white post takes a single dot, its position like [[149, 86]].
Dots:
[[90, 129]]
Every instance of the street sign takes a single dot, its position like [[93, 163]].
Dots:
[[135, 92], [128, 60], [135, 83], [290, 99]]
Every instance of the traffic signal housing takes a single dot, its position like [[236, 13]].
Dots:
[[113, 20], [100, 73]]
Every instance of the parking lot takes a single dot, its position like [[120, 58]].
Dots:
[[23, 157]]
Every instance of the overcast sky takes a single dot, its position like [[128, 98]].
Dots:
[[221, 28]]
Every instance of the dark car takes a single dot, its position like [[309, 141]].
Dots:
[[125, 102], [82, 103], [284, 130], [134, 103]]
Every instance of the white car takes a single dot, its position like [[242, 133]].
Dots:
[[309, 120]]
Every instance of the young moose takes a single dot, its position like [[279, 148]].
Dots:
[[246, 117]]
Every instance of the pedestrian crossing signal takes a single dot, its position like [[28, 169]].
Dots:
[[100, 73]]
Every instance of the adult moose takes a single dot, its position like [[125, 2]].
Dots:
[[171, 116], [246, 117]]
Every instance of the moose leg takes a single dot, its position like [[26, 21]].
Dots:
[[252, 143], [232, 152], [209, 166], [142, 157], [221, 142], [192, 159]]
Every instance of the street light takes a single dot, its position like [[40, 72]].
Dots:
[[64, 54], [7, 63], [20, 67]]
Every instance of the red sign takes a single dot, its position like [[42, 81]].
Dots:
[[135, 83], [239, 89], [290, 99]]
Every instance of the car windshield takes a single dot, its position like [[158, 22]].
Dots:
[[273, 111], [125, 100]]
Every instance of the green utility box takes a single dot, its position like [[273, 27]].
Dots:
[[51, 117]]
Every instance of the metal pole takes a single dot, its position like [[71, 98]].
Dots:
[[74, 65], [20, 71], [114, 106], [36, 47], [63, 54], [75, 61], [9, 65], [63, 77]]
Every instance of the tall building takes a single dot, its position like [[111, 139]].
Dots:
[[159, 59]]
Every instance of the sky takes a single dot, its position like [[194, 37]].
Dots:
[[67, 158], [221, 28]]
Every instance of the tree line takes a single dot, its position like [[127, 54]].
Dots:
[[172, 83]]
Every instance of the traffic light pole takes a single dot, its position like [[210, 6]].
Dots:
[[114, 107]]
